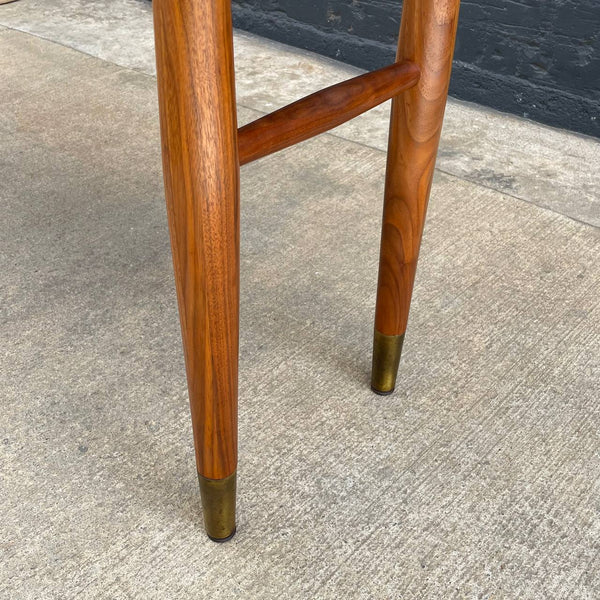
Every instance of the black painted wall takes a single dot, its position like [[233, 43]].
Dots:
[[535, 58]]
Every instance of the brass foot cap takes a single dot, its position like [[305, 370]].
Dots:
[[386, 358], [218, 505]]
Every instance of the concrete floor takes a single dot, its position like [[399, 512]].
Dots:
[[478, 478]]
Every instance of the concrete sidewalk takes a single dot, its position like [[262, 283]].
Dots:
[[478, 478]]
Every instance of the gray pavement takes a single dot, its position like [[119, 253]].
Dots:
[[478, 478]]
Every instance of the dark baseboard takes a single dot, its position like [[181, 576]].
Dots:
[[511, 94]]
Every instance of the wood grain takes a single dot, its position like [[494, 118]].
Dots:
[[323, 110], [427, 34], [194, 52]]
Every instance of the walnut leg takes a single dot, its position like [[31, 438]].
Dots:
[[194, 54], [427, 34]]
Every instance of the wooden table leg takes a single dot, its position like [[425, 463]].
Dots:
[[194, 55], [427, 34]]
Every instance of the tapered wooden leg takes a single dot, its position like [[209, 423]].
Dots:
[[427, 34], [194, 52]]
